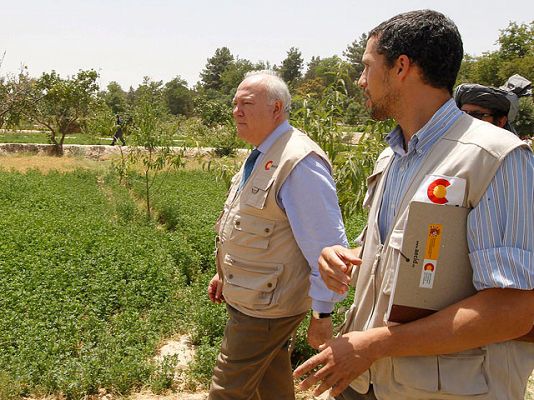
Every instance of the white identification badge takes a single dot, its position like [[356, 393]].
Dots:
[[440, 189]]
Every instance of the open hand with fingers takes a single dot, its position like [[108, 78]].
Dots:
[[340, 362], [335, 266]]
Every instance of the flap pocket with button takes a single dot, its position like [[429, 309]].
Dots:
[[250, 283], [250, 231], [259, 189]]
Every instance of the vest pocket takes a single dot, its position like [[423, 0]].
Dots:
[[257, 196], [250, 283], [416, 372], [462, 374], [456, 374], [249, 231]]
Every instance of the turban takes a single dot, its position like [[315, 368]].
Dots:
[[504, 100]]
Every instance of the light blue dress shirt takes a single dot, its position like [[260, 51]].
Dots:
[[309, 199], [500, 231]]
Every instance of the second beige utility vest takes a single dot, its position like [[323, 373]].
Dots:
[[265, 274], [471, 150]]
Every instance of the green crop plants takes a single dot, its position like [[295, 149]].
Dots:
[[85, 300]]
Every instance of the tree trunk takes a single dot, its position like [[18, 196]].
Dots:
[[147, 194]]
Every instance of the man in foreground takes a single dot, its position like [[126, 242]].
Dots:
[[281, 210], [465, 350]]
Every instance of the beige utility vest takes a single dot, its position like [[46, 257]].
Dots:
[[472, 150], [265, 274]]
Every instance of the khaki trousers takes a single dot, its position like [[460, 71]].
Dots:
[[254, 360]]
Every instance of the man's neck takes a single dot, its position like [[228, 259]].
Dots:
[[419, 110]]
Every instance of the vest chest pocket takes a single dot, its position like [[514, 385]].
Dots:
[[250, 231], [250, 283], [258, 190]]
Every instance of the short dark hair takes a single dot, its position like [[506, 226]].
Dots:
[[429, 39]]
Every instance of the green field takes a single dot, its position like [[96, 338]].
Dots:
[[91, 289]]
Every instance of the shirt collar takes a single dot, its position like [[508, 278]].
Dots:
[[424, 138], [273, 136]]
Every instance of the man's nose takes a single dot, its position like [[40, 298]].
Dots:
[[362, 81]]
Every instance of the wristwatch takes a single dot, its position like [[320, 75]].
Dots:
[[321, 315]]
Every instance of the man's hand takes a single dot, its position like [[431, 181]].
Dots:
[[335, 266], [340, 362], [319, 331], [215, 288]]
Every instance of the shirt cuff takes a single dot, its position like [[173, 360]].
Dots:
[[322, 306], [502, 267]]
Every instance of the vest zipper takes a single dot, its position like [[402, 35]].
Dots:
[[374, 268]]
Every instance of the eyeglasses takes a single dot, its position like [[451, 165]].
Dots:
[[478, 114]]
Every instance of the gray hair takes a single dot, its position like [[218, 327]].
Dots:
[[276, 87]]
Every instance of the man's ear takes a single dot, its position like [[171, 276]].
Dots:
[[278, 108], [402, 66]]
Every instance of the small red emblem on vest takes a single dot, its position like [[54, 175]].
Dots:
[[437, 191], [268, 165]]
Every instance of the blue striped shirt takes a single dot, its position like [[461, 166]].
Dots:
[[500, 231], [309, 199]]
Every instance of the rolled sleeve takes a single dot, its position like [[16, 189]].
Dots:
[[501, 227], [511, 268]]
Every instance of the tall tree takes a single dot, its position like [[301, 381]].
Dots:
[[291, 67], [115, 98], [61, 105], [178, 97], [516, 40], [233, 75], [354, 53], [15, 91], [212, 75]]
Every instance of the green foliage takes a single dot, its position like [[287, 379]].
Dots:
[[153, 140], [15, 93], [61, 105], [178, 97], [85, 301], [115, 98], [213, 112], [356, 164], [524, 123], [291, 68], [100, 120], [354, 54], [224, 169], [217, 64], [322, 120], [162, 378]]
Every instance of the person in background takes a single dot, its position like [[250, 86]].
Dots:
[[498, 106], [281, 210], [468, 349], [119, 134]]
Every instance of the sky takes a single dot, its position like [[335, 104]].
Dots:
[[125, 40]]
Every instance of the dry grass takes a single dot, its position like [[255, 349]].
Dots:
[[24, 162]]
